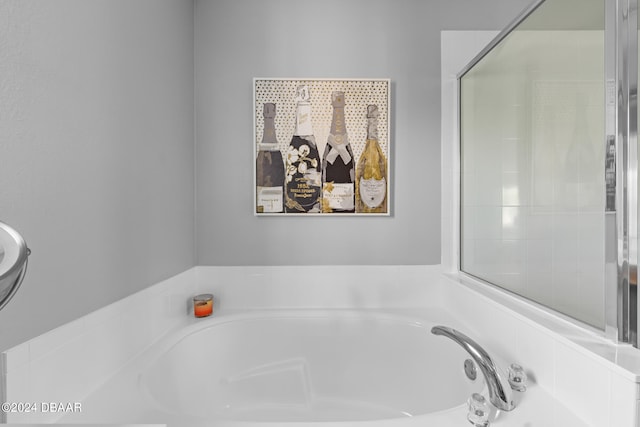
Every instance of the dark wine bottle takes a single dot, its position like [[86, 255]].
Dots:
[[338, 173], [303, 173], [269, 167]]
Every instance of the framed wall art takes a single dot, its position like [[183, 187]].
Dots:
[[321, 146]]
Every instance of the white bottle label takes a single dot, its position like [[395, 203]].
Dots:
[[269, 199], [339, 196], [303, 120], [373, 191]]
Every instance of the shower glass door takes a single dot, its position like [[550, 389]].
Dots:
[[533, 156]]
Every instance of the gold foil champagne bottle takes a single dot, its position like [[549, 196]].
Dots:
[[371, 172], [269, 167], [338, 163], [303, 167]]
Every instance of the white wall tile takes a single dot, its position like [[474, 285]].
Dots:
[[500, 323], [488, 222], [540, 224], [468, 256], [539, 255], [470, 186], [515, 189], [513, 114], [105, 350], [489, 183], [15, 357], [565, 292], [63, 375], [488, 254], [514, 222], [565, 255], [583, 385], [591, 308], [566, 226], [510, 156], [591, 224], [18, 387], [623, 399], [540, 286], [536, 354], [43, 344], [469, 219], [591, 254], [513, 256]]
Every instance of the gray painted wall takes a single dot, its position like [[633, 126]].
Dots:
[[96, 151], [237, 40], [97, 137]]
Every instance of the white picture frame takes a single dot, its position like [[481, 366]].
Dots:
[[358, 95]]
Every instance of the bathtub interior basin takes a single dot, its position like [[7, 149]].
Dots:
[[312, 368]]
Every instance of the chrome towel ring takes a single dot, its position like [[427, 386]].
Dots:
[[14, 255]]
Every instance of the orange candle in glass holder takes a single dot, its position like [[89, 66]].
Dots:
[[203, 305]]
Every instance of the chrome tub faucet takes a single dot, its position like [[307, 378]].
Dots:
[[499, 390]]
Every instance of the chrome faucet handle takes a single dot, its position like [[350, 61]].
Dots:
[[500, 394], [479, 410], [517, 378]]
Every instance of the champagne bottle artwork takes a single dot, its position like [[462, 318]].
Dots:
[[269, 167], [338, 172], [303, 167], [371, 172], [321, 147]]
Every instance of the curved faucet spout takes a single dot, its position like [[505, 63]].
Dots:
[[499, 395]]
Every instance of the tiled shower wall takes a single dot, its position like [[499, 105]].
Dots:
[[533, 170]]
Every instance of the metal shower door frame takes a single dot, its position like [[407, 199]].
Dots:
[[621, 211]]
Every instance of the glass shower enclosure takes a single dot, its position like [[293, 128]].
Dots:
[[548, 161]]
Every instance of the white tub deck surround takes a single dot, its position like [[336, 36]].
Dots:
[[351, 345]]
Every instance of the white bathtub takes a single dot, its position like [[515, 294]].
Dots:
[[306, 366], [325, 353], [302, 367]]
